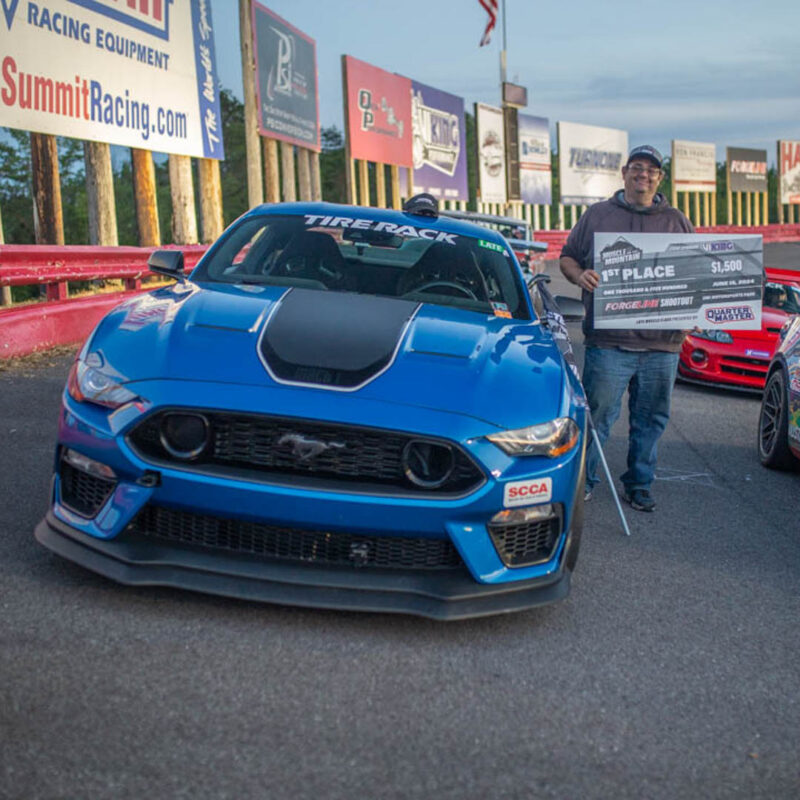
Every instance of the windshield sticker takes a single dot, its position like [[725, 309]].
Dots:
[[498, 248], [319, 221], [501, 310]]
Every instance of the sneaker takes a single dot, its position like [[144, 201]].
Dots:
[[640, 499], [587, 495]]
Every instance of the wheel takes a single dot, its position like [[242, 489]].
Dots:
[[773, 425]]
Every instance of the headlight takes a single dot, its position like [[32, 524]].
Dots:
[[548, 439], [723, 337], [88, 385]]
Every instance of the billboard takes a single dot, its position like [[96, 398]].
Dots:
[[138, 75], [747, 169], [286, 80], [490, 139], [378, 112], [439, 140], [789, 171], [694, 166], [590, 161], [535, 174]]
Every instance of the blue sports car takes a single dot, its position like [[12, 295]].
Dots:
[[341, 407]]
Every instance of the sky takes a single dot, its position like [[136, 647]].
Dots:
[[713, 71]]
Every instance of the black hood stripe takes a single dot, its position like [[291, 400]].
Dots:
[[333, 340]]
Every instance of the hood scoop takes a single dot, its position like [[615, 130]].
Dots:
[[333, 340]]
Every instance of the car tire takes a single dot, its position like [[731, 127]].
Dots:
[[773, 424]]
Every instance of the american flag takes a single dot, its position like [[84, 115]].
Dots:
[[490, 6]]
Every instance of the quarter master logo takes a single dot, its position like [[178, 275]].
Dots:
[[721, 315]]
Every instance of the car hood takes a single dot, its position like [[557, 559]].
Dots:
[[506, 372]]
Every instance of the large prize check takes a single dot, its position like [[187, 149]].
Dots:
[[664, 281]]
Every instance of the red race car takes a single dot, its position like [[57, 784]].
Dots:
[[740, 359]]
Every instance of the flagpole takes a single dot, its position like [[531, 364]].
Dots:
[[503, 51]]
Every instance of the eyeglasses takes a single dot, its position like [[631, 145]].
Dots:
[[638, 169]]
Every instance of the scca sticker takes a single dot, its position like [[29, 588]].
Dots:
[[757, 353], [528, 493], [721, 315], [319, 221]]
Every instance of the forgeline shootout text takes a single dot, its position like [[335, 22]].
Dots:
[[85, 99]]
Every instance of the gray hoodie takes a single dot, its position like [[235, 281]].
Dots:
[[616, 215]]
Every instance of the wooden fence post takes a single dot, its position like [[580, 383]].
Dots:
[[363, 181], [288, 192], [380, 185], [255, 189], [144, 197], [5, 291], [100, 194], [210, 186], [184, 219], [394, 171], [48, 220], [316, 179], [303, 174], [272, 173]]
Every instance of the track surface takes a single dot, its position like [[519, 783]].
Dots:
[[670, 672]]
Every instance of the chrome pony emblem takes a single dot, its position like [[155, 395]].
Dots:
[[304, 448]]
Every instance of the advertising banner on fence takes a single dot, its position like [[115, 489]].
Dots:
[[378, 110], [490, 138], [789, 171], [286, 80], [139, 75], [535, 173], [439, 140], [590, 161], [694, 166], [664, 281], [747, 169]]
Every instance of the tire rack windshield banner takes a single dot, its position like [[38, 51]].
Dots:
[[535, 172], [694, 166], [789, 171], [490, 139], [590, 161], [286, 80], [747, 169], [439, 139], [663, 281], [378, 111], [139, 75]]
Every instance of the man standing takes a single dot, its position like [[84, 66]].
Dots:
[[644, 362]]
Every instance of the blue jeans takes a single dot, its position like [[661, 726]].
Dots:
[[649, 377]]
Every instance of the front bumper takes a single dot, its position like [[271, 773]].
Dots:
[[441, 594]]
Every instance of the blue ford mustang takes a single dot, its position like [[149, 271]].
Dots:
[[341, 407]]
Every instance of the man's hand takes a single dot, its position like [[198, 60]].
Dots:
[[585, 278], [588, 279]]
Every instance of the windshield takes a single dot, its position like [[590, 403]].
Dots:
[[358, 254], [782, 296]]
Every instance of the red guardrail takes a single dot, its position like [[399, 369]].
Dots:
[[58, 320]]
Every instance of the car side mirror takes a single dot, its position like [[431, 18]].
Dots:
[[571, 309], [167, 262]]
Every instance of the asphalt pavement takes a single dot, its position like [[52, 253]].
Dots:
[[670, 672]]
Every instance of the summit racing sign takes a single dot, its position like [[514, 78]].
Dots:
[[662, 281], [137, 74]]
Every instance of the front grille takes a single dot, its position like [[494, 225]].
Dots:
[[746, 367], [292, 544], [259, 445], [526, 543], [83, 493]]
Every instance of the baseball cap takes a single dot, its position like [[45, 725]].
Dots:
[[645, 151]]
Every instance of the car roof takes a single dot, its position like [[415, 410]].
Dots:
[[441, 223]]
